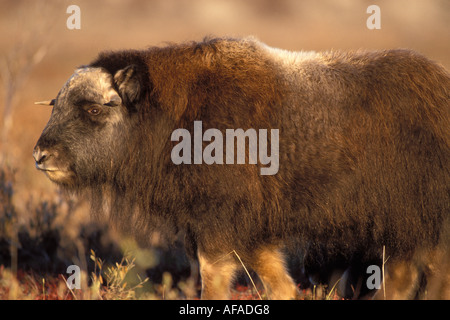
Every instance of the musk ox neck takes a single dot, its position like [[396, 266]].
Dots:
[[138, 192]]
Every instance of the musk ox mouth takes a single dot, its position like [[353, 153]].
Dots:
[[58, 176]]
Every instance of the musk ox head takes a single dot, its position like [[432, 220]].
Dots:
[[79, 143]]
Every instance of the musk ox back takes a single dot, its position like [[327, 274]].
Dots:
[[358, 145]]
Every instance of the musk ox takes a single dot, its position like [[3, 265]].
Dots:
[[363, 156]]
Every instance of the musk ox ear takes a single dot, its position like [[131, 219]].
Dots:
[[127, 81]]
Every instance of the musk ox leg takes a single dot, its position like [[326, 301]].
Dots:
[[402, 281], [438, 275], [217, 275], [269, 263], [425, 276]]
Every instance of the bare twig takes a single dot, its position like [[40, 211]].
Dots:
[[382, 271], [71, 291]]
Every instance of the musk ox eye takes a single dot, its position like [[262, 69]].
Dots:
[[94, 110]]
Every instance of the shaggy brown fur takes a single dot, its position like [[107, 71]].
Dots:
[[364, 151]]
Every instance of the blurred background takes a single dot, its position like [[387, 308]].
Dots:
[[38, 53]]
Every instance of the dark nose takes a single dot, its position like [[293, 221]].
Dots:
[[40, 156]]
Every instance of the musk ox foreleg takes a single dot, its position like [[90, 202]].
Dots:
[[217, 275], [269, 263]]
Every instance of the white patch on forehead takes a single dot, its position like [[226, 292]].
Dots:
[[96, 79]]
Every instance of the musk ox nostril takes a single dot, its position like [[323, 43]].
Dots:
[[40, 156]]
